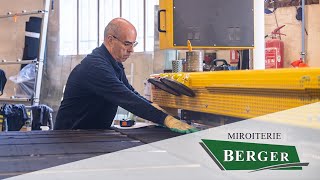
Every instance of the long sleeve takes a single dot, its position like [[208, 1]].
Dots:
[[129, 86], [101, 78]]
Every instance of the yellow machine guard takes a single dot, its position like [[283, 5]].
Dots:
[[243, 93]]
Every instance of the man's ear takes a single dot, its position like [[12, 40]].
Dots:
[[108, 39]]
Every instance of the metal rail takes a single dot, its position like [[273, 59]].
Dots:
[[18, 61], [23, 13]]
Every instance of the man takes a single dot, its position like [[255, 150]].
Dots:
[[98, 85]]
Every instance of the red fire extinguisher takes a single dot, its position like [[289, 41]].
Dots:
[[274, 52]]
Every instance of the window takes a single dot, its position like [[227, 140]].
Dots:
[[108, 9], [88, 26], [82, 23], [150, 14], [132, 10], [68, 27]]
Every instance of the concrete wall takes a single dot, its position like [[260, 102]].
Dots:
[[292, 40]]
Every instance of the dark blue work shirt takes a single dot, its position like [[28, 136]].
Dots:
[[95, 89]]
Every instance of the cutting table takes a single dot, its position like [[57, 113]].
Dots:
[[23, 152]]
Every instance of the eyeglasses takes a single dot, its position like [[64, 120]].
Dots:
[[126, 43]]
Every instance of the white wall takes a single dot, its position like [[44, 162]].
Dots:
[[258, 52]]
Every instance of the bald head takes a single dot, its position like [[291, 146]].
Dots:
[[117, 27], [120, 38]]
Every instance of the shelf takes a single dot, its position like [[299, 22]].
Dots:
[[44, 13], [23, 13], [19, 61], [13, 99]]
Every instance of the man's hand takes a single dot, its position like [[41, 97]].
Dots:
[[158, 107], [178, 126]]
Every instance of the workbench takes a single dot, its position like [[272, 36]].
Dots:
[[24, 152]]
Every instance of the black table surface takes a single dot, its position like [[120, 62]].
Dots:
[[24, 152]]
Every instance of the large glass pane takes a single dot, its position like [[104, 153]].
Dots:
[[68, 27], [109, 9], [88, 25], [132, 10], [150, 10]]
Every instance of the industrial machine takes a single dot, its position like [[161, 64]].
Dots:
[[220, 96], [208, 24], [227, 96]]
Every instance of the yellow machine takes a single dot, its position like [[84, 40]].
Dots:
[[242, 94], [208, 24]]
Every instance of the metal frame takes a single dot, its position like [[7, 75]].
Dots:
[[98, 23], [42, 47], [40, 62], [171, 35], [16, 100], [303, 49], [207, 119], [78, 31], [98, 19], [9, 14], [18, 61], [144, 26]]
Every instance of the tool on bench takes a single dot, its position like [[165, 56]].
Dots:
[[127, 122]]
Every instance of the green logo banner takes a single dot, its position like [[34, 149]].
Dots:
[[230, 155]]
